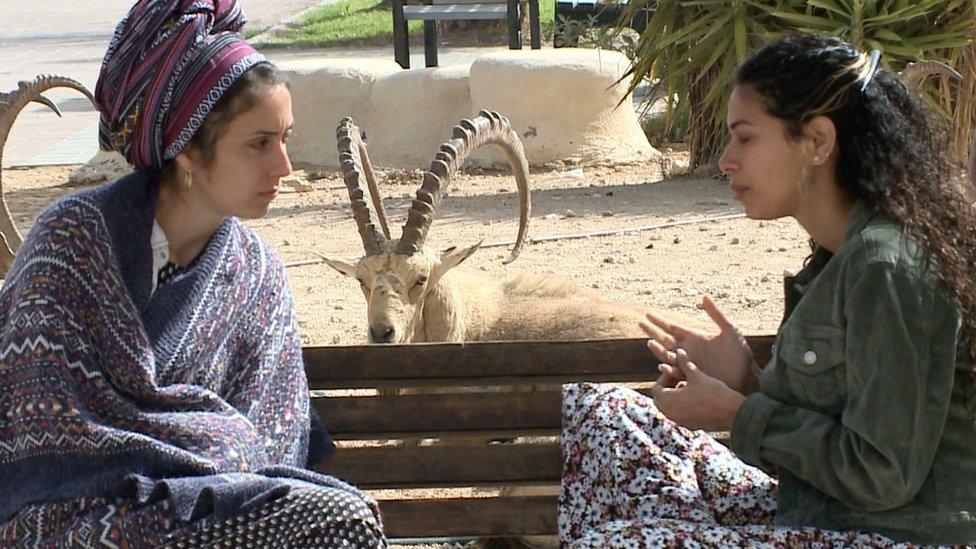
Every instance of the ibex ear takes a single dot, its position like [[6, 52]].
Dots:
[[343, 267], [450, 258]]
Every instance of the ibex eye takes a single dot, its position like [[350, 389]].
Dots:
[[420, 282]]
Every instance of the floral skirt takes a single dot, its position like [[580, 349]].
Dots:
[[633, 478], [304, 517]]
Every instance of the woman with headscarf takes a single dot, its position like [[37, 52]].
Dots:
[[152, 388]]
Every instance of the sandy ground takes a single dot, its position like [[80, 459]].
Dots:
[[740, 262]]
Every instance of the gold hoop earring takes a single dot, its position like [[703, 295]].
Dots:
[[188, 180]]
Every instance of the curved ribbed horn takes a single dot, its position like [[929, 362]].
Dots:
[[488, 128], [356, 169], [913, 74], [10, 106]]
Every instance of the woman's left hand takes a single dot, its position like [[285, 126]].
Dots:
[[700, 401]]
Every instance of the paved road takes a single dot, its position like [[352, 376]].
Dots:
[[69, 37]]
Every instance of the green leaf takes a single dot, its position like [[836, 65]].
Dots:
[[904, 51], [886, 34], [936, 38], [808, 21], [741, 36], [836, 7], [874, 44], [716, 53]]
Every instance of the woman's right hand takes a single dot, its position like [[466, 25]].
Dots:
[[724, 355]]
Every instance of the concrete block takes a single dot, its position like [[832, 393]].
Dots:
[[563, 103], [323, 92]]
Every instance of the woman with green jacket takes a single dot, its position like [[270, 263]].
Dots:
[[860, 431]]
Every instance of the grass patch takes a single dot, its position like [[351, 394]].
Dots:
[[363, 22], [345, 22]]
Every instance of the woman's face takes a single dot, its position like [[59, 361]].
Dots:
[[249, 160], [766, 167]]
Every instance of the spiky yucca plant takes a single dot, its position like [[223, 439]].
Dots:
[[691, 47]]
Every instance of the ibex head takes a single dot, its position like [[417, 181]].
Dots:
[[396, 276], [10, 106]]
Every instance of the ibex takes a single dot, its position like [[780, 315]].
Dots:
[[412, 292], [10, 106]]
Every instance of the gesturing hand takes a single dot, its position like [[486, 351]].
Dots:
[[699, 401], [725, 356]]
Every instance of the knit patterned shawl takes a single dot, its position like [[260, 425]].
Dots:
[[99, 382]]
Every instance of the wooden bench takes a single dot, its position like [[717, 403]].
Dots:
[[443, 10], [461, 420]]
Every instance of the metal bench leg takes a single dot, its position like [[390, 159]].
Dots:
[[401, 38], [535, 32], [514, 28], [430, 43]]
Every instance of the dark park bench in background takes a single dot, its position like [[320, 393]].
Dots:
[[441, 10]]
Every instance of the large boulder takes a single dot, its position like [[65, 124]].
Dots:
[[322, 94], [412, 113], [563, 103]]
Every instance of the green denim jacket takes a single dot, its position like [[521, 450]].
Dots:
[[861, 411]]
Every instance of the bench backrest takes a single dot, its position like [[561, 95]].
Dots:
[[483, 391]]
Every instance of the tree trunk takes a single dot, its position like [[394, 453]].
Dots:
[[706, 145]]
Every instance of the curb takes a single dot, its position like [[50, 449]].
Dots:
[[261, 39]]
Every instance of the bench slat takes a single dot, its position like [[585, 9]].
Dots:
[[479, 363], [530, 515], [444, 466], [376, 468], [426, 415], [487, 415], [466, 11]]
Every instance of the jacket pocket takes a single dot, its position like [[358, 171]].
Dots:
[[812, 357]]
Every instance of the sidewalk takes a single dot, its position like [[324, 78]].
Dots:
[[69, 38]]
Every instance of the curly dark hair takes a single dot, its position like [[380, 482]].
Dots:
[[893, 151]]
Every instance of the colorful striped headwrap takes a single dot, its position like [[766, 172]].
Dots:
[[166, 67]]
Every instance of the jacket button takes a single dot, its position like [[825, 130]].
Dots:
[[809, 358]]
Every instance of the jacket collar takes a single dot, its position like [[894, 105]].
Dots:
[[861, 215]]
